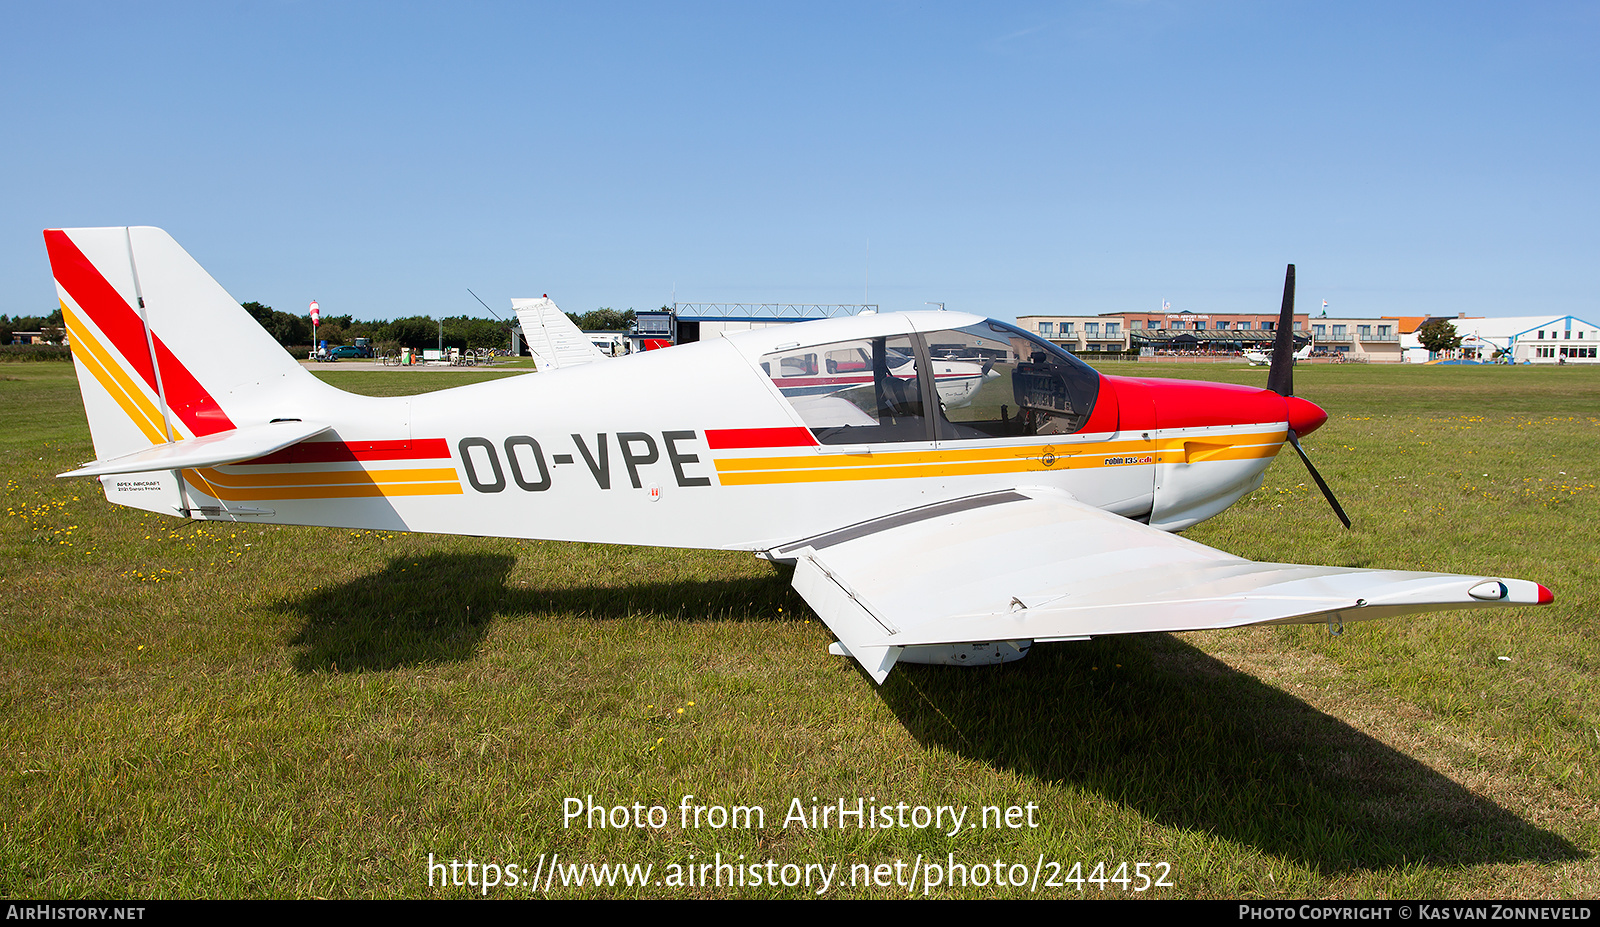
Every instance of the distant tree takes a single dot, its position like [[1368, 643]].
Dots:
[[1439, 336], [484, 333], [37, 323], [288, 330], [260, 313], [331, 332], [418, 331], [605, 319]]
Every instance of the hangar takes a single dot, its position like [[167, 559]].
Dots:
[[688, 322], [1564, 339]]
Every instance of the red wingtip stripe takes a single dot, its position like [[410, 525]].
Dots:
[[1545, 595], [101, 302], [723, 439]]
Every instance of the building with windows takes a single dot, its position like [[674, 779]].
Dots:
[[1564, 339], [1372, 340], [1208, 322], [1079, 333], [1158, 332]]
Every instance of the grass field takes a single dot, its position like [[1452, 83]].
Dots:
[[205, 710]]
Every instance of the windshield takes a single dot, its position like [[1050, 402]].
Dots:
[[995, 380]]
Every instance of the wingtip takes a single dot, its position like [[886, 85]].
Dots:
[[1545, 595]]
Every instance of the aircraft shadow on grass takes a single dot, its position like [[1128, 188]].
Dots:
[[436, 608], [1185, 740], [1146, 721]]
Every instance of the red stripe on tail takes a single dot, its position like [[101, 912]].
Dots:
[[98, 299]]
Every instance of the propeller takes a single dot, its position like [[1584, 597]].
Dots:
[[1280, 379]]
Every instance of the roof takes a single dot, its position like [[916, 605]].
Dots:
[[1408, 324]]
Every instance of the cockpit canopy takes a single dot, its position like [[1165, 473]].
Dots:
[[985, 381]]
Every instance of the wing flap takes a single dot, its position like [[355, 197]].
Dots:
[[1036, 564], [846, 615], [223, 447]]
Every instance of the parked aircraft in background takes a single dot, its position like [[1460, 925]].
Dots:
[[1038, 507], [1262, 358], [552, 338]]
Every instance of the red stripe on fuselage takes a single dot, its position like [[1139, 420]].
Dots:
[[98, 299], [342, 452], [723, 439]]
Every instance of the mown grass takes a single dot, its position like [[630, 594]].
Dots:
[[208, 710]]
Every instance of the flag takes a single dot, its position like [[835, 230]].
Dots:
[[1166, 305], [1324, 305], [316, 313]]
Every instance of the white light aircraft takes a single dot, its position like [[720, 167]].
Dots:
[[1039, 508], [1262, 358]]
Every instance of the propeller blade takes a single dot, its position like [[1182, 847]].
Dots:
[[1280, 376], [1337, 508]]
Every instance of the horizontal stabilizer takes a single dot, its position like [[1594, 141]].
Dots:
[[223, 447]]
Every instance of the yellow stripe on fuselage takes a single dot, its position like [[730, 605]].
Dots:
[[327, 478], [325, 484], [880, 465]]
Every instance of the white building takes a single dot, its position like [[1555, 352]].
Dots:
[[1530, 339]]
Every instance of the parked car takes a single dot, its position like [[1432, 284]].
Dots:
[[346, 350]]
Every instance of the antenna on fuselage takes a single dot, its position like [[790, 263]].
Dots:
[[485, 305], [510, 329]]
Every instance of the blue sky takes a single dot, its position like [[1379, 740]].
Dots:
[[1004, 159]]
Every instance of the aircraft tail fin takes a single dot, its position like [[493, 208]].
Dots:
[[165, 356], [163, 353], [552, 337]]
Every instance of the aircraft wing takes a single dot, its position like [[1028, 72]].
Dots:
[[551, 336], [1037, 565]]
